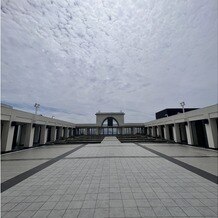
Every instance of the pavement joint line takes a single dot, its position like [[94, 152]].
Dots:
[[90, 157], [19, 178], [202, 173], [99, 157]]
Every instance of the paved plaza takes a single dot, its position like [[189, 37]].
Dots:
[[110, 179]]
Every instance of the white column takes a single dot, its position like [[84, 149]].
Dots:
[[148, 130], [7, 136], [70, 132], [132, 131], [36, 134], [212, 136], [18, 135], [159, 131], [166, 132], [189, 133], [60, 132], [176, 133], [53, 133], [97, 131], [121, 130], [66, 135], [154, 131], [29, 135], [43, 135]]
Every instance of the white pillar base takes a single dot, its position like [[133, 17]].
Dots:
[[212, 135], [189, 134], [7, 136], [166, 132], [176, 133], [43, 135], [29, 135], [53, 133]]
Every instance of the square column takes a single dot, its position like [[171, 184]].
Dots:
[[132, 131], [148, 130], [176, 133], [66, 135], [43, 135], [29, 135], [98, 131], [60, 132], [154, 134], [121, 130], [36, 134], [53, 133], [166, 132], [189, 134], [70, 132], [212, 135], [7, 136], [159, 131]]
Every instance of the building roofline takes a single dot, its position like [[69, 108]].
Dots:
[[110, 113]]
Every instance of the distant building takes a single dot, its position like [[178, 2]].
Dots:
[[110, 123], [172, 111]]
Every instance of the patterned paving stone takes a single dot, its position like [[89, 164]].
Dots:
[[124, 183]]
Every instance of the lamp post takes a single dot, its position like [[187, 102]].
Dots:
[[37, 106], [183, 106]]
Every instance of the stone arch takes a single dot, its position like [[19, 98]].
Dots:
[[110, 122]]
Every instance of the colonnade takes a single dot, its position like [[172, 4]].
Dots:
[[28, 134], [23, 129], [133, 130], [198, 132]]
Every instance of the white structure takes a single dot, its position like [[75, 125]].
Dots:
[[19, 128], [197, 127], [110, 123], [102, 116]]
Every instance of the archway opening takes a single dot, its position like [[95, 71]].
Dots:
[[110, 126]]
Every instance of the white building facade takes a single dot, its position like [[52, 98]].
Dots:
[[21, 129], [198, 127]]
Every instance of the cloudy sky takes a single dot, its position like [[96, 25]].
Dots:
[[78, 57]]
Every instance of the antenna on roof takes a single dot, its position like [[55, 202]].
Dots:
[[37, 106]]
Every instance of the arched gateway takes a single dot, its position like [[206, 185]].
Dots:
[[110, 126], [110, 123]]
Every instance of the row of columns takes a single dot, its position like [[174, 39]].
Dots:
[[119, 131], [29, 134], [210, 127]]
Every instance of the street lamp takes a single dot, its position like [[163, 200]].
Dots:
[[37, 106], [183, 106]]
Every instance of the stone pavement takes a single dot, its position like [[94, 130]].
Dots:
[[111, 179]]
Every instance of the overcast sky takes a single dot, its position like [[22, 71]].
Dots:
[[78, 57]]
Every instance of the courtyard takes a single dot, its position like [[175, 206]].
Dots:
[[110, 179]]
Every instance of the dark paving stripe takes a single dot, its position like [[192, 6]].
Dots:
[[19, 178], [194, 156], [191, 168], [96, 157]]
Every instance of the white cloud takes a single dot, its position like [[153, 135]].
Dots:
[[85, 56]]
